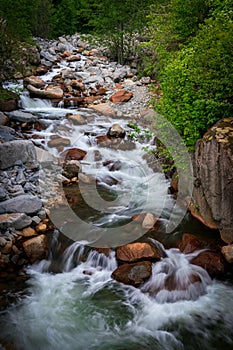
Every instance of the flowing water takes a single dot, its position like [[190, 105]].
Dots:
[[81, 306]]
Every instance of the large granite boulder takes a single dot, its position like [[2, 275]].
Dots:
[[16, 150], [213, 191]]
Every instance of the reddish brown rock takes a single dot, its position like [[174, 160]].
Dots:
[[36, 248], [28, 232], [103, 140], [65, 54], [189, 243], [121, 96], [73, 58], [138, 251], [51, 92], [212, 262], [74, 154], [34, 81], [133, 274], [101, 91]]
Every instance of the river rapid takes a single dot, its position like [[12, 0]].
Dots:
[[79, 306]]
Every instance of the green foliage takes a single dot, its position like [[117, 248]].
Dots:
[[197, 85], [193, 57]]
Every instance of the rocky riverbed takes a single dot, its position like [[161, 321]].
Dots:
[[72, 74]]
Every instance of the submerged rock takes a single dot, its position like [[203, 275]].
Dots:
[[133, 274], [212, 262]]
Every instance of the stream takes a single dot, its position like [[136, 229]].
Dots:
[[80, 306]]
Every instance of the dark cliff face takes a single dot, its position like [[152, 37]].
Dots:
[[213, 169]]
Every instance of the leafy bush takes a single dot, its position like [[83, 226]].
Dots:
[[197, 86]]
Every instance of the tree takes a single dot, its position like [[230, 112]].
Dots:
[[116, 21]]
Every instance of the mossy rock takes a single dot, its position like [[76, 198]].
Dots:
[[8, 100]]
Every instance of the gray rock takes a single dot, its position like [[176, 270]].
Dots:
[[119, 74], [48, 56], [7, 134], [22, 116], [94, 79], [26, 203], [12, 151], [16, 220]]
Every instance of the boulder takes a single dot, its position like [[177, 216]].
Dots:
[[13, 151], [77, 119], [16, 220], [213, 187], [7, 134], [71, 168], [28, 232], [121, 96], [105, 109], [116, 131], [212, 262], [36, 248], [74, 154], [189, 243], [26, 203], [133, 252], [48, 56], [133, 274], [119, 74], [21, 116], [34, 81], [50, 92], [58, 141], [9, 101], [227, 252]]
